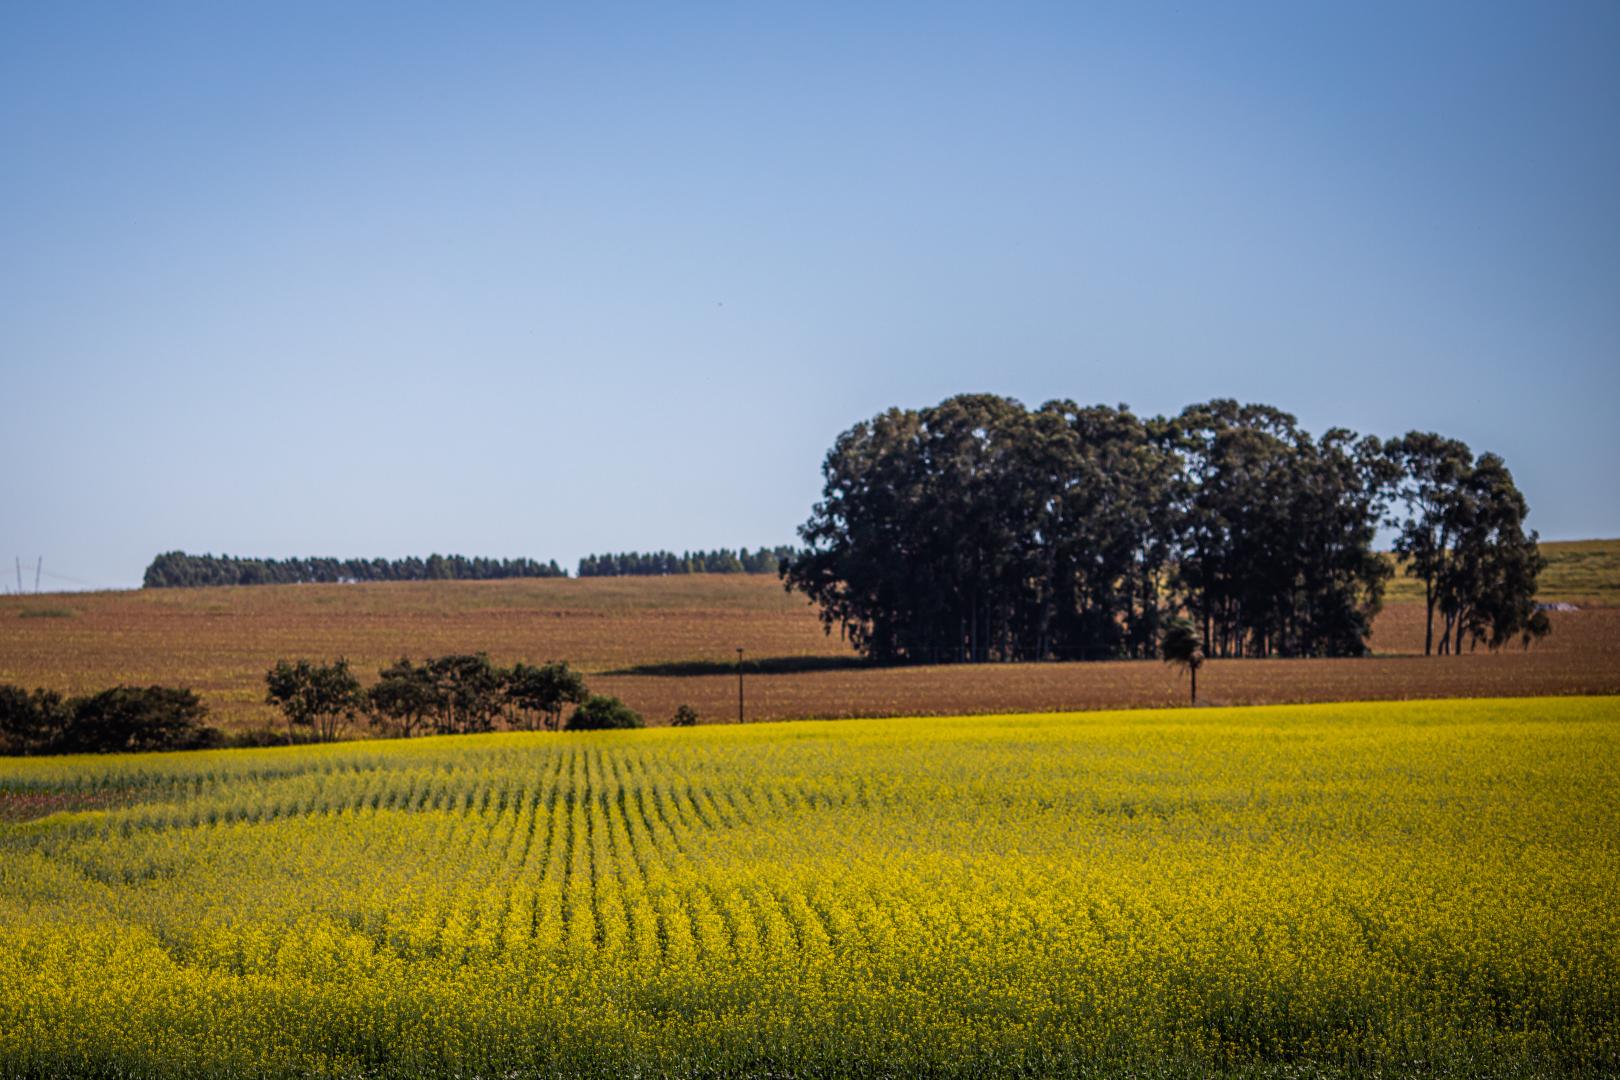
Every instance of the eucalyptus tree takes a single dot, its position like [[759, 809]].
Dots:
[[1488, 592], [978, 530], [1432, 472]]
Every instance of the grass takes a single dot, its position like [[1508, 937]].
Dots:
[[1421, 888], [1578, 571]]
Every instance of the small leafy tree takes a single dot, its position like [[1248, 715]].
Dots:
[[319, 698], [1182, 647], [470, 690], [537, 695], [685, 716], [599, 712], [405, 698], [1536, 627]]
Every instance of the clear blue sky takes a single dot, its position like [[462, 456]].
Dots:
[[546, 279]]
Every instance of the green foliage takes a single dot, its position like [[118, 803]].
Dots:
[[130, 719], [599, 712], [458, 694], [31, 723], [319, 700], [405, 699], [1464, 538], [979, 530], [1275, 548], [176, 569], [124, 719], [660, 563], [46, 613], [685, 716], [537, 695], [1182, 647], [470, 692]]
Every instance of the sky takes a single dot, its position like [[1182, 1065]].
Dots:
[[548, 279]]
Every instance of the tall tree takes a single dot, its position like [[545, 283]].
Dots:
[[1432, 471], [1488, 593]]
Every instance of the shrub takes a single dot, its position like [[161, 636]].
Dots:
[[599, 711], [685, 716], [31, 723], [133, 718], [124, 719]]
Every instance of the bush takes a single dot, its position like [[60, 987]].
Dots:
[[254, 738], [132, 718], [124, 719], [685, 716], [599, 712], [31, 723]]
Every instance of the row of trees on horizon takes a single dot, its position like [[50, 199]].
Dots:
[[176, 569], [981, 530], [660, 563]]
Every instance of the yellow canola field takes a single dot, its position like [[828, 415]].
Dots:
[[1402, 887]]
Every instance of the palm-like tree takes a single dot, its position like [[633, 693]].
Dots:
[[1182, 648]]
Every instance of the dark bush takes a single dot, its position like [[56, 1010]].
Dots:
[[31, 723], [599, 712], [133, 718], [121, 720], [685, 716]]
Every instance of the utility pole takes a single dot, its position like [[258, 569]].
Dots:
[[37, 568], [19, 574], [739, 685]]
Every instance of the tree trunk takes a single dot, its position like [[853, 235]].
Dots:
[[1428, 621], [1195, 684]]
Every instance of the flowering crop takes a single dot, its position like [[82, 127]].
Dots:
[[1397, 887]]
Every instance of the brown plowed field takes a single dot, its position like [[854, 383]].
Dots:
[[660, 642]]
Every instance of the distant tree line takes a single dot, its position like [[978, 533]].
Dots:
[[125, 719], [981, 530], [446, 695], [176, 569], [657, 563]]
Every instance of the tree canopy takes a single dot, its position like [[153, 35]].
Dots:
[[124, 719], [659, 563], [980, 530], [176, 569]]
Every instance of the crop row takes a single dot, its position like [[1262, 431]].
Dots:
[[1427, 885]]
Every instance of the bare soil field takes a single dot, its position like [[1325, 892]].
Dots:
[[662, 642]]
